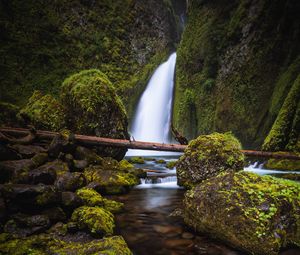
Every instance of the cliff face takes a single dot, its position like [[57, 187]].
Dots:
[[43, 42], [237, 62]]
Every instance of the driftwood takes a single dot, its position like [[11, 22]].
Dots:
[[100, 141], [179, 137]]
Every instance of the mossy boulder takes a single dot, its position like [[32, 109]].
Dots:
[[207, 156], [90, 197], [96, 220], [44, 112], [283, 164], [46, 244], [112, 206], [257, 214], [110, 181], [94, 108], [137, 160], [171, 164]]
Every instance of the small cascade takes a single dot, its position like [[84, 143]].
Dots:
[[152, 119]]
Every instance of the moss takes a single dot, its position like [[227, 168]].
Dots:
[[44, 112], [160, 161], [112, 206], [46, 244], [246, 210], [95, 219], [226, 69], [137, 160], [90, 197], [278, 137], [171, 164], [207, 156], [283, 164], [125, 165]]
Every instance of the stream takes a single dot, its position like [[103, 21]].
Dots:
[[147, 226]]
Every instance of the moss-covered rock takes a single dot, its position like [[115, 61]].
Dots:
[[171, 164], [46, 244], [207, 156], [44, 112], [70, 181], [112, 206], [137, 160], [111, 181], [94, 219], [90, 197], [258, 214], [93, 108], [283, 164]]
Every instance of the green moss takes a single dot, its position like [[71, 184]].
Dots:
[[90, 197], [113, 206], [125, 165], [46, 244], [171, 164], [283, 164], [246, 210], [44, 112], [160, 161], [207, 156], [95, 219], [137, 160]]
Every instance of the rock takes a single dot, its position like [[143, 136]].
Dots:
[[70, 200], [42, 175], [39, 159], [70, 181], [7, 153], [167, 229], [90, 156], [289, 176], [44, 112], [160, 161], [112, 206], [59, 229], [110, 181], [178, 243], [171, 164], [64, 142], [207, 156], [80, 165], [27, 151], [187, 235], [24, 196], [57, 166], [258, 214], [90, 197], [283, 164], [137, 160], [55, 214], [95, 219], [93, 108], [45, 244], [15, 170]]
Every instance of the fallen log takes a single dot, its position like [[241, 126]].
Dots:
[[101, 141]]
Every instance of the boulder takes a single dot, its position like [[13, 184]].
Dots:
[[283, 164], [44, 112], [96, 220], [57, 166], [207, 156], [8, 153], [90, 197], [55, 214], [87, 155], [27, 151], [94, 108], [64, 143], [42, 175], [70, 181], [257, 214], [70, 200]]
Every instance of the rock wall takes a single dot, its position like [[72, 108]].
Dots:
[[236, 63]]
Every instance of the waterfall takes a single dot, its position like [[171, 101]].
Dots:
[[152, 118]]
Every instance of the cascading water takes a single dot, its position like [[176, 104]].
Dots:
[[153, 115]]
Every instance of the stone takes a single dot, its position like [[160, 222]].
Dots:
[[42, 175], [55, 214], [94, 108], [88, 155], [70, 200], [27, 151], [70, 181], [90, 197], [187, 235], [64, 142], [207, 156], [57, 166], [257, 214]]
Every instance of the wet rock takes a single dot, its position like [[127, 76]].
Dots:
[[28, 151], [15, 170], [64, 142], [207, 156], [187, 235], [178, 243], [111, 181], [7, 153], [246, 210], [25, 196], [70, 181], [88, 155], [55, 214], [80, 165], [167, 229], [59, 229], [112, 206], [42, 175], [137, 160], [96, 220], [57, 166], [70, 200]]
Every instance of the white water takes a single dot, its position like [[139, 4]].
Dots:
[[153, 114]]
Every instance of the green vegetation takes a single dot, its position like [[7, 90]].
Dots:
[[207, 156], [171, 164], [283, 164], [137, 160], [90, 197], [95, 219], [227, 68], [248, 210]]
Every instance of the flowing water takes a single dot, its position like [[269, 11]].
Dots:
[[152, 119]]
